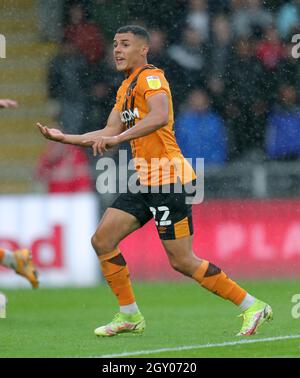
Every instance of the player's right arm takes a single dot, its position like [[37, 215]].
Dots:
[[7, 103], [114, 126]]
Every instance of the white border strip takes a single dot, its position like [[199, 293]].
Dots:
[[199, 346]]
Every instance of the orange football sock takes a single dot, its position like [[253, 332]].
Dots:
[[2, 253], [116, 273], [215, 280]]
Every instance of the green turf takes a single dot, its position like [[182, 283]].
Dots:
[[60, 322]]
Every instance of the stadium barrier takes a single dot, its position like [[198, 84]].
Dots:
[[58, 229], [247, 238]]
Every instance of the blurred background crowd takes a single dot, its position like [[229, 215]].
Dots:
[[234, 80]]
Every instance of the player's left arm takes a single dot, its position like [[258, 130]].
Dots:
[[157, 117]]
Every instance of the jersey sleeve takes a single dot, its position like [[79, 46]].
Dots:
[[153, 82], [118, 103]]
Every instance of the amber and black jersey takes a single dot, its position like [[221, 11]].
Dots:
[[154, 152]]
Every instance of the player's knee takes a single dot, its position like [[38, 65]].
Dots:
[[102, 244], [95, 242], [180, 265], [177, 264]]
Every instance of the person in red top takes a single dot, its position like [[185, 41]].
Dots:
[[85, 35], [64, 169], [270, 51]]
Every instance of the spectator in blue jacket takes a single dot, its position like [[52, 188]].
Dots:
[[283, 127], [200, 131]]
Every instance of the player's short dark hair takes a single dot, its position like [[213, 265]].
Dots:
[[137, 30]]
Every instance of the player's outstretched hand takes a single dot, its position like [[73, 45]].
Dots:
[[7, 103], [52, 134]]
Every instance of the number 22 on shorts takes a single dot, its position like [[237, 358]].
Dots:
[[162, 212]]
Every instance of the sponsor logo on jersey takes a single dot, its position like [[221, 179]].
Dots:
[[153, 82], [129, 115]]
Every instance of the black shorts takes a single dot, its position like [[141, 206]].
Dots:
[[173, 217]]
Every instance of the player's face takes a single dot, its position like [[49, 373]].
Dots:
[[129, 51]]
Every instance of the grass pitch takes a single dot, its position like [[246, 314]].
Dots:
[[60, 322]]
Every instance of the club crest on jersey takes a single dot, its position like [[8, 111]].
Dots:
[[153, 82], [129, 115]]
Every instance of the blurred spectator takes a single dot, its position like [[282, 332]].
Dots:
[[50, 19], [220, 52], [189, 54], [237, 10], [219, 6], [198, 17], [190, 57], [200, 132], [64, 168], [167, 14], [288, 18], [249, 17], [68, 84], [289, 70], [245, 100], [104, 85], [86, 5], [85, 35], [159, 57], [237, 56], [270, 50], [105, 14], [283, 127], [157, 54]]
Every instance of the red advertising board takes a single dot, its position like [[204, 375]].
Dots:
[[57, 229], [246, 238]]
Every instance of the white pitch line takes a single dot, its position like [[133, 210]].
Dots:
[[199, 346]]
